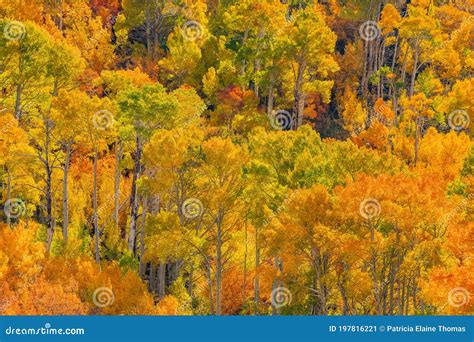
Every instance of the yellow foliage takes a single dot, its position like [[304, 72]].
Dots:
[[168, 306], [354, 114], [390, 19]]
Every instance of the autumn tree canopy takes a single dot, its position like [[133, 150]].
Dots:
[[236, 157]]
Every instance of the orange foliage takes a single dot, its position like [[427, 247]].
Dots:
[[36, 285]]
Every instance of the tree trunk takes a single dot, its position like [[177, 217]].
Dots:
[[395, 105], [418, 123], [9, 195], [152, 279], [373, 266], [134, 199], [298, 107], [65, 193], [257, 69], [345, 301], [315, 307], [404, 65], [381, 62], [161, 280], [244, 286], [19, 90], [413, 75], [209, 283], [94, 203], [219, 264], [365, 76], [142, 265], [118, 159], [391, 303], [190, 280], [270, 99], [257, 279], [394, 60], [276, 284], [49, 188], [148, 29], [49, 212]]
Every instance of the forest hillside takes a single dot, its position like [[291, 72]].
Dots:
[[236, 157]]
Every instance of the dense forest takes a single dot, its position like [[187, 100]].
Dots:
[[236, 157]]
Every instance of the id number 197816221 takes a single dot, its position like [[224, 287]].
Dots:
[[353, 328]]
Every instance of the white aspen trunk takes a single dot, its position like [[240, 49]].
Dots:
[[134, 199], [219, 264], [118, 159], [142, 265], [65, 193], [257, 279], [94, 203]]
